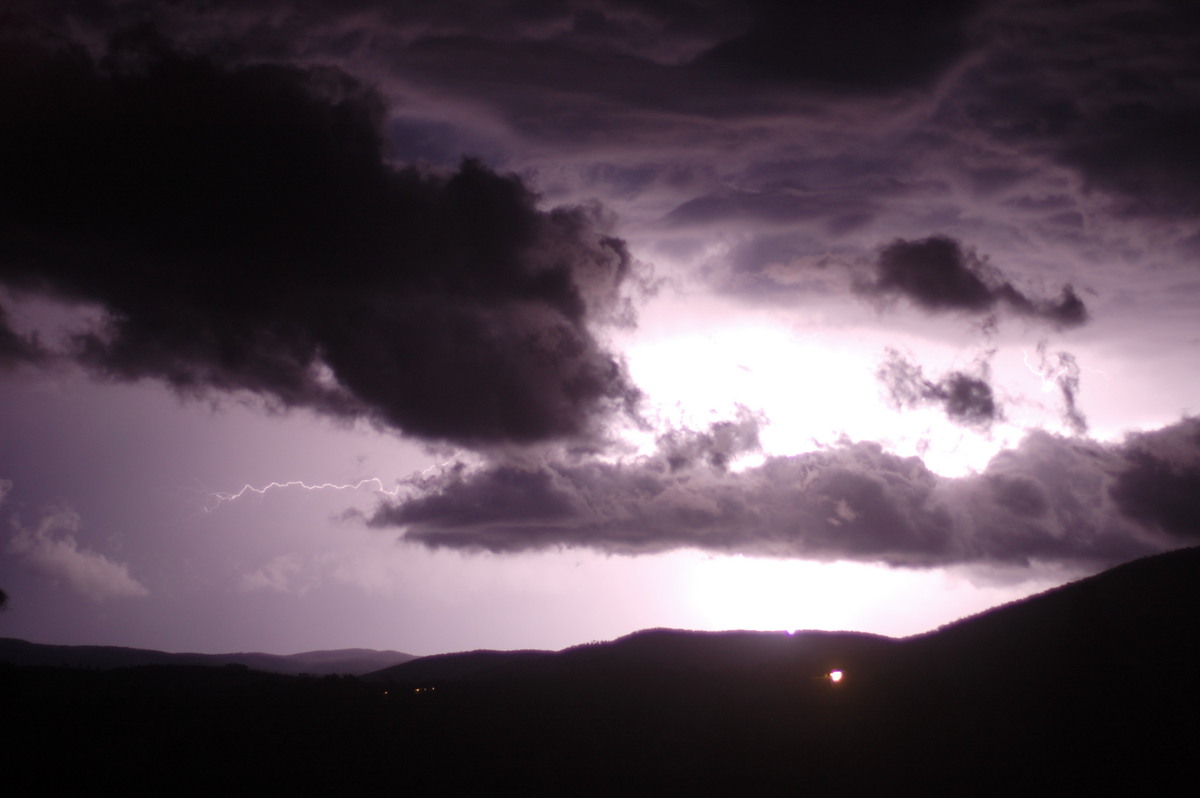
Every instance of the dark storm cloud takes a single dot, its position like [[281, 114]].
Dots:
[[1160, 485], [1050, 499], [939, 274], [966, 399], [1107, 89], [666, 31], [243, 230], [567, 74], [15, 348], [859, 44]]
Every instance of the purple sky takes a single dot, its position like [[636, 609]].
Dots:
[[439, 326]]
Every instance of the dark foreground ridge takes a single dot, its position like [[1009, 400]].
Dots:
[[1090, 687]]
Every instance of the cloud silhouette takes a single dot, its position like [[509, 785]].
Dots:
[[243, 229], [938, 274], [965, 398]]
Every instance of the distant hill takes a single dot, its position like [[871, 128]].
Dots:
[[668, 650], [342, 661], [1090, 688]]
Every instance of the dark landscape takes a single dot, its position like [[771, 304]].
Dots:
[[1089, 687]]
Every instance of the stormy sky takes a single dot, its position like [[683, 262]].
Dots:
[[433, 326]]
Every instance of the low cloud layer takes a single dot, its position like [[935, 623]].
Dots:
[[1050, 499], [242, 228]]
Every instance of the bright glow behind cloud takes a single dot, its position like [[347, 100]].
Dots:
[[698, 361]]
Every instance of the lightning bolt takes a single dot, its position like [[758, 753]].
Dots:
[[1067, 380], [1048, 381], [372, 484]]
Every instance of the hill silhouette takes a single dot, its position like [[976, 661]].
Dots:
[[1089, 687], [340, 661]]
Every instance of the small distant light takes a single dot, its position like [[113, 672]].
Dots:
[[835, 676]]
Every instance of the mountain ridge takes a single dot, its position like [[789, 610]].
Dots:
[[353, 661]]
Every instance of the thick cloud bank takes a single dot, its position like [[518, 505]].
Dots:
[[242, 229], [1050, 499]]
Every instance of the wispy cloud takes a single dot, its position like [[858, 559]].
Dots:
[[284, 573], [51, 548], [966, 398]]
